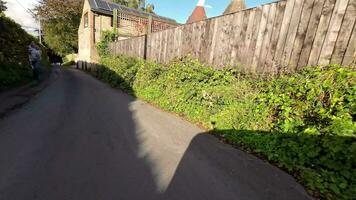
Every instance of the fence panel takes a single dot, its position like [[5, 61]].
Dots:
[[278, 36]]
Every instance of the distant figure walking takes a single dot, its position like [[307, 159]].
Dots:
[[35, 60]]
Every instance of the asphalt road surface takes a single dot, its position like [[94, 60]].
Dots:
[[79, 139]]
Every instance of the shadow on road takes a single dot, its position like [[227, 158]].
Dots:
[[209, 169], [196, 167], [80, 139]]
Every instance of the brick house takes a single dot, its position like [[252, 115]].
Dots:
[[97, 16]]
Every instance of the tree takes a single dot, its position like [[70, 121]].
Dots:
[[2, 6], [60, 19], [150, 8], [137, 4]]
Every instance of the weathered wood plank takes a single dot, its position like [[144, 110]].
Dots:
[[165, 44], [190, 41], [253, 42], [170, 44], [149, 45], [350, 54], [162, 44], [260, 36], [152, 38], [142, 47], [246, 43], [321, 32], [292, 32], [219, 42], [172, 47], [180, 42], [213, 31], [223, 41], [310, 33], [195, 38], [159, 46], [227, 38], [236, 38], [333, 31], [186, 39], [283, 35], [242, 38], [202, 36], [301, 32], [268, 67], [206, 41], [344, 34], [267, 38]]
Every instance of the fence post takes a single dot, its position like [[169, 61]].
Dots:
[[115, 21], [149, 31], [149, 25]]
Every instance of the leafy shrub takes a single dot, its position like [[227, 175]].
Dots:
[[14, 65], [106, 37], [69, 59], [304, 122]]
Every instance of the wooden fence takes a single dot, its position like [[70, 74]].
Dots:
[[283, 35]]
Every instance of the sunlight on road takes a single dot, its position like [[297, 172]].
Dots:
[[162, 151]]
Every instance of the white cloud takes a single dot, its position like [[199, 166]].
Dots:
[[208, 6], [20, 15]]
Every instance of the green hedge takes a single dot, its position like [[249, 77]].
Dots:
[[14, 65], [304, 122]]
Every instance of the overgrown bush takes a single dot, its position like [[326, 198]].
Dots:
[[304, 121], [69, 60], [105, 38], [14, 65]]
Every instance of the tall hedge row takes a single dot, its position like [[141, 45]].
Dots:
[[304, 121], [14, 65]]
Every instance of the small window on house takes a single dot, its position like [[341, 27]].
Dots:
[[112, 22], [86, 20]]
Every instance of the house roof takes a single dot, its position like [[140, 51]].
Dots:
[[234, 6], [197, 15], [105, 7]]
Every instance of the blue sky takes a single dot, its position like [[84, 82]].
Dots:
[[181, 9]]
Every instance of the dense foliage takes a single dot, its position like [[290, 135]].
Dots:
[[61, 19], [105, 38], [137, 4], [2, 6], [304, 122], [14, 65]]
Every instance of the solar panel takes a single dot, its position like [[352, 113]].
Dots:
[[115, 6], [102, 5], [109, 6]]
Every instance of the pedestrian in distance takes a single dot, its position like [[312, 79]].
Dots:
[[34, 53]]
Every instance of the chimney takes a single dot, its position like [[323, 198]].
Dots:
[[234, 6], [198, 13]]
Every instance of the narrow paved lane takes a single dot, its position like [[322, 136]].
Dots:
[[81, 140]]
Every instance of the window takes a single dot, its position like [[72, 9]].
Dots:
[[112, 22], [86, 20]]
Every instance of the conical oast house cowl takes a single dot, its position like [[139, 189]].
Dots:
[[234, 6], [198, 13]]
